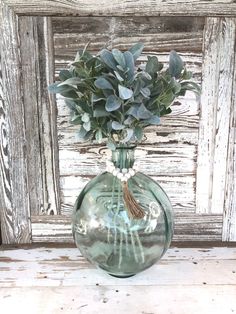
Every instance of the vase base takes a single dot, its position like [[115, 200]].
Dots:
[[122, 276]]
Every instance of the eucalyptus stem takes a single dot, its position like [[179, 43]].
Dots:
[[140, 246], [120, 250]]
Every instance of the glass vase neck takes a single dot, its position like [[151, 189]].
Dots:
[[123, 157]]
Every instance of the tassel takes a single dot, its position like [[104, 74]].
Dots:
[[135, 211]]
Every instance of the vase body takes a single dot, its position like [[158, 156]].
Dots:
[[104, 232]]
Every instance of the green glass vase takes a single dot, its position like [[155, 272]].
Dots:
[[104, 231]]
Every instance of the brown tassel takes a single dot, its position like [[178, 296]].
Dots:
[[135, 211]]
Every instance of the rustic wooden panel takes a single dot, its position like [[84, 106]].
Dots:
[[188, 227], [30, 72], [124, 7], [60, 280], [229, 215], [158, 34], [218, 69], [40, 115], [180, 190], [47, 113], [14, 200]]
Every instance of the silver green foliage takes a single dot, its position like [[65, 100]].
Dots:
[[113, 99]]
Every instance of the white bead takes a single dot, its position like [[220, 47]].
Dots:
[[115, 172], [131, 172], [123, 179], [119, 175], [111, 169], [124, 170], [127, 176]]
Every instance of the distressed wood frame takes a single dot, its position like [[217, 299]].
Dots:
[[29, 183]]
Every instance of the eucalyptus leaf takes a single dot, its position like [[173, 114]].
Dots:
[[165, 111], [133, 111], [117, 126], [138, 132], [152, 65], [64, 75], [175, 64], [128, 135], [119, 67], [56, 88], [137, 87], [85, 117], [76, 119], [119, 57], [73, 81], [111, 145], [129, 120], [98, 135], [87, 126], [129, 59], [143, 112], [107, 57], [119, 77], [124, 92], [176, 86], [72, 104], [99, 111], [96, 98], [69, 93], [145, 92], [102, 83], [112, 103], [136, 50], [153, 120], [81, 133]]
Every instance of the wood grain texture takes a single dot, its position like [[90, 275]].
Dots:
[[159, 34], [179, 188], [91, 299], [188, 227], [218, 69], [28, 36], [123, 7], [229, 215], [47, 113], [46, 280], [40, 114], [15, 211]]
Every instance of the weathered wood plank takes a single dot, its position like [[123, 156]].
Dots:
[[225, 83], [229, 215], [48, 253], [14, 206], [180, 189], [119, 299], [40, 114], [145, 25], [153, 160], [157, 33], [69, 268], [215, 114], [30, 73], [188, 227], [47, 113], [124, 8]]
